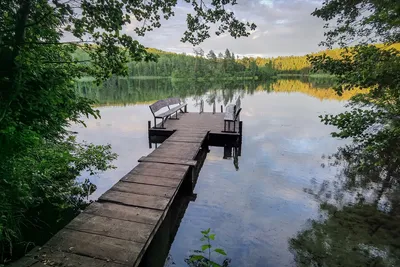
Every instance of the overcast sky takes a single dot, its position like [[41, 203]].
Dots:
[[284, 27]]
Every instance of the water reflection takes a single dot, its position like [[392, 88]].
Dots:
[[359, 211], [125, 91], [254, 209]]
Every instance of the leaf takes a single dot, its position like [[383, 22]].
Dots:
[[195, 258], [203, 239], [206, 232], [220, 251], [214, 264], [212, 236], [204, 247]]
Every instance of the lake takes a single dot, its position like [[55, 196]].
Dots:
[[253, 209]]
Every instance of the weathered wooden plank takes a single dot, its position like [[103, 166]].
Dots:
[[57, 258], [168, 161], [105, 226], [187, 140], [188, 133], [44, 257], [123, 212], [28, 260], [171, 144], [178, 153], [186, 151], [96, 246], [160, 166], [145, 189], [160, 173], [161, 181], [152, 202]]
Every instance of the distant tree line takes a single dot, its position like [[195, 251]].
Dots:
[[199, 65], [223, 65], [297, 64]]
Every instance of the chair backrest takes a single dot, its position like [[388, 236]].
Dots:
[[173, 101], [158, 105], [237, 113], [238, 103]]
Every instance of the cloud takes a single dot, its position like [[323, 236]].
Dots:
[[284, 27]]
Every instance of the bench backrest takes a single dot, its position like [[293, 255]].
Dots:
[[173, 101], [238, 103], [158, 105], [237, 113]]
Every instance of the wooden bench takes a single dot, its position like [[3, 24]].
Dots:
[[170, 102], [232, 115]]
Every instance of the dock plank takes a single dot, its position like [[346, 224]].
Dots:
[[161, 181], [144, 189], [160, 166], [105, 226], [96, 246], [143, 201], [160, 173], [186, 138], [168, 161], [187, 151], [45, 257], [123, 212]]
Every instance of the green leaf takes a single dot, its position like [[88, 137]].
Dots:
[[206, 232], [220, 251], [204, 247], [214, 264], [212, 236], [195, 258]]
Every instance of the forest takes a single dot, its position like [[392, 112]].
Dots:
[[202, 65]]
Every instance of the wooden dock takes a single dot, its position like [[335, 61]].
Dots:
[[117, 230]]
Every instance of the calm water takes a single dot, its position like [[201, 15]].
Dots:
[[253, 210]]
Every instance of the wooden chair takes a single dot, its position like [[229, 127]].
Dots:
[[232, 114]]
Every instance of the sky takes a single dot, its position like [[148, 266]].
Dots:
[[284, 28]]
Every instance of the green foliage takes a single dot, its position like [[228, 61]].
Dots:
[[362, 228], [358, 235], [373, 120], [39, 159], [199, 66], [299, 65], [203, 256], [363, 21]]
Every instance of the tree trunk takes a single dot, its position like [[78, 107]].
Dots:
[[13, 74]]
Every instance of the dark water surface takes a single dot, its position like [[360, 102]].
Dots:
[[254, 210]]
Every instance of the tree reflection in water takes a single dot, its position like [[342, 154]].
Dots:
[[359, 222]]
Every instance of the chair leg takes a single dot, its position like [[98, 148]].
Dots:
[[155, 123]]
